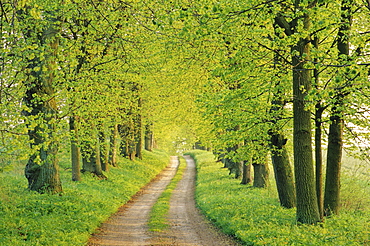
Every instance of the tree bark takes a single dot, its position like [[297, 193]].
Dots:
[[42, 169], [235, 167], [98, 164], [104, 150], [227, 161], [247, 174], [319, 109], [128, 144], [148, 136], [335, 138], [283, 172], [123, 133], [238, 164], [307, 208], [318, 159], [139, 133], [131, 140], [333, 166], [261, 174], [239, 169], [91, 161], [113, 146], [91, 156], [75, 149]]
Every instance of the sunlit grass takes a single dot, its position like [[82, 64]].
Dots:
[[28, 218], [255, 217]]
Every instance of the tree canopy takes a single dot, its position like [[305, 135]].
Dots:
[[244, 78]]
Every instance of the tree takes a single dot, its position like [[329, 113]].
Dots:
[[335, 136], [318, 119], [261, 173], [42, 170], [283, 173], [113, 146], [148, 137], [91, 158], [279, 154], [307, 207], [247, 174], [75, 149]]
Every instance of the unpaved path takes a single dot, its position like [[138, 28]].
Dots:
[[188, 227]]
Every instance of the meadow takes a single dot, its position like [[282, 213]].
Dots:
[[254, 216], [69, 218]]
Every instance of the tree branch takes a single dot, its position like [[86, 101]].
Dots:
[[282, 22]]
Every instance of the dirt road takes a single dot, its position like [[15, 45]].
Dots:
[[188, 227]]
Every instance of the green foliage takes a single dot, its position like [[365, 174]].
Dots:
[[158, 220], [255, 217], [28, 218], [166, 61]]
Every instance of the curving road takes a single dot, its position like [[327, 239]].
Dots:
[[188, 227]]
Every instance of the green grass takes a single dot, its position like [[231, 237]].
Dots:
[[254, 216], [158, 215], [28, 218]]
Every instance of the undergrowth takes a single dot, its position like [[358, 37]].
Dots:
[[30, 218], [255, 217], [158, 215]]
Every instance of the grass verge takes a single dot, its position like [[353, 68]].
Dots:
[[28, 218], [255, 217], [158, 221]]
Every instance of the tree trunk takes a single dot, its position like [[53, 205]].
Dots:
[[283, 172], [238, 164], [247, 174], [235, 167], [98, 164], [75, 149], [130, 143], [228, 163], [319, 109], [318, 159], [42, 169], [91, 156], [88, 160], [239, 169], [113, 146], [104, 150], [148, 136], [261, 174], [232, 166], [44, 178], [123, 133], [333, 166], [139, 134], [307, 208], [91, 161], [335, 138], [198, 145], [155, 143]]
